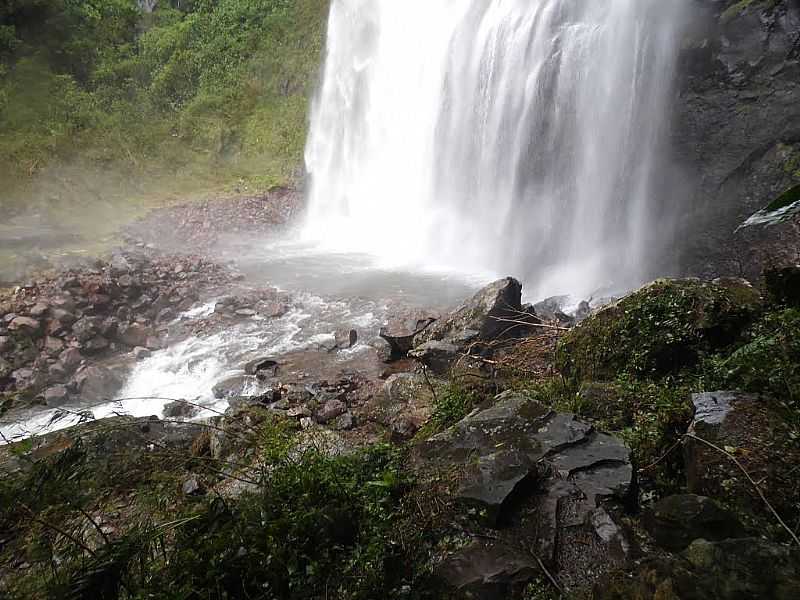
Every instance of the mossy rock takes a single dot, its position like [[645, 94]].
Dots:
[[659, 329]]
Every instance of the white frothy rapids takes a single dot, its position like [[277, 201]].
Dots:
[[503, 137]]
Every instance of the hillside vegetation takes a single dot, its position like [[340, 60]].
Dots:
[[191, 93]]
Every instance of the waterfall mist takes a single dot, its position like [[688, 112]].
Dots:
[[506, 137]]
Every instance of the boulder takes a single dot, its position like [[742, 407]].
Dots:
[[6, 368], [56, 395], [96, 345], [39, 310], [344, 339], [439, 357], [491, 313], [487, 570], [754, 430], [25, 326], [71, 358], [330, 410], [262, 367], [676, 521], [180, 410], [237, 385], [516, 442], [401, 335], [53, 346], [659, 329], [6, 344], [95, 383], [140, 353], [87, 328], [135, 334]]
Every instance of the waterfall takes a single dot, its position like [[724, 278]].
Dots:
[[507, 137]]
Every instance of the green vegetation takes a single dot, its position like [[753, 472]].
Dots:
[[199, 93], [311, 524]]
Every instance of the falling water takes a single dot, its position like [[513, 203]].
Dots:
[[518, 137]]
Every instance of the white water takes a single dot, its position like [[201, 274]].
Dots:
[[504, 137]]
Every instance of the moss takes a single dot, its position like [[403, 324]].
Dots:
[[660, 329]]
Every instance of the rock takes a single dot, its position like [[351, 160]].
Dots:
[[755, 431], [488, 313], [783, 285], [6, 344], [191, 487], [487, 570], [401, 336], [60, 322], [661, 328], [57, 373], [518, 441], [96, 345], [120, 265], [39, 310], [6, 368], [676, 521], [403, 428], [25, 326], [439, 357], [71, 358], [95, 383], [298, 412], [180, 410], [87, 328], [330, 410], [345, 338], [733, 569], [404, 404], [56, 395], [245, 312], [135, 335], [53, 346], [238, 385], [153, 343], [383, 349], [263, 367], [140, 353], [344, 422]]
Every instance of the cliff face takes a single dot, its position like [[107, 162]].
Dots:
[[737, 132]]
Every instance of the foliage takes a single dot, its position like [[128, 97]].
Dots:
[[659, 330], [211, 83]]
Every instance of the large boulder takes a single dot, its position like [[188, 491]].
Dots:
[[136, 335], [492, 313], [676, 521], [753, 431], [658, 329], [95, 383]]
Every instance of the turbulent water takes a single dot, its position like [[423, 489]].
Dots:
[[505, 137]]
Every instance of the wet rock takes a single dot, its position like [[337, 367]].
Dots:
[[25, 326], [57, 373], [345, 338], [403, 428], [6, 344], [180, 410], [95, 383], [238, 385], [487, 570], [488, 312], [519, 441], [383, 349], [755, 431], [552, 309], [401, 333], [56, 395], [298, 412], [439, 357], [135, 335], [140, 353], [120, 265], [264, 367], [153, 343], [676, 521], [330, 410], [60, 322]]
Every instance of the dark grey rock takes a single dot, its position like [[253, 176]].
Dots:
[[439, 357], [238, 385], [180, 410], [71, 358], [87, 328], [486, 570], [140, 353], [676, 521], [330, 410], [135, 335]]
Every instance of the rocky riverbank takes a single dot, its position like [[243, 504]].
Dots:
[[486, 453]]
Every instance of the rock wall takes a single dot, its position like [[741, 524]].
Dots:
[[737, 133]]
